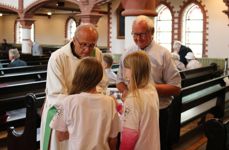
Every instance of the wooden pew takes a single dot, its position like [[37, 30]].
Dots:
[[195, 101], [29, 63], [193, 76], [22, 77], [29, 138], [12, 98], [22, 89], [27, 58], [15, 70]]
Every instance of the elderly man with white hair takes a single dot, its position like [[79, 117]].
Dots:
[[14, 58], [181, 50]]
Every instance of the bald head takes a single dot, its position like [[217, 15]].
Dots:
[[89, 29], [85, 39]]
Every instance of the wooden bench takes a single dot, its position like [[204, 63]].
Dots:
[[12, 99], [16, 70], [193, 76], [22, 89], [195, 101], [29, 138], [29, 63], [22, 77], [27, 58]]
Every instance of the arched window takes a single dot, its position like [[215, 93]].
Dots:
[[19, 33], [192, 29], [163, 27], [71, 28]]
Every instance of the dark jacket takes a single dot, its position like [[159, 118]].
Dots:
[[183, 51], [17, 62]]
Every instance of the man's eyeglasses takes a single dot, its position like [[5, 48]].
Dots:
[[84, 45], [141, 35]]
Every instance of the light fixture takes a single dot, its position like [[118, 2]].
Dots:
[[1, 14], [49, 13]]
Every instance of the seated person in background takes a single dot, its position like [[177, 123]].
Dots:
[[5, 45], [36, 49], [178, 63], [107, 63], [14, 58], [85, 106], [181, 50], [192, 62]]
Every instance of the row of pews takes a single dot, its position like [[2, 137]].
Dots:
[[22, 93], [203, 91]]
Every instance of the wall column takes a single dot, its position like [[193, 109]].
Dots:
[[26, 35], [133, 8]]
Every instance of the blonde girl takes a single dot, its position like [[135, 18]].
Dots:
[[140, 122], [89, 120]]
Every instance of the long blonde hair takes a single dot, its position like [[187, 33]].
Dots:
[[88, 74], [139, 64]]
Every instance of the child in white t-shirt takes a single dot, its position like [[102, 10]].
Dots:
[[140, 122], [89, 120]]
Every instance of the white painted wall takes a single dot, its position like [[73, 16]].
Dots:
[[50, 31], [218, 29], [8, 27]]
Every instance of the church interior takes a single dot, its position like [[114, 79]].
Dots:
[[38, 28]]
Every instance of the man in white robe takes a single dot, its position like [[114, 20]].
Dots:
[[61, 69]]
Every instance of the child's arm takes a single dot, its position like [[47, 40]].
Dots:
[[112, 143], [61, 136], [129, 138]]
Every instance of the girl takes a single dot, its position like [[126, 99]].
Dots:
[[140, 128], [88, 119]]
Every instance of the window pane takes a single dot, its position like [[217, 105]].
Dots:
[[194, 37], [194, 25], [192, 34], [195, 13], [71, 28], [163, 27], [197, 50]]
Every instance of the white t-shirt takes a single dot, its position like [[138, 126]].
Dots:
[[90, 120], [60, 73], [145, 121]]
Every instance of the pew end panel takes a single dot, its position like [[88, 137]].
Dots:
[[27, 140]]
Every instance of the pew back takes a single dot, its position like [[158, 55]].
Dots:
[[15, 70]]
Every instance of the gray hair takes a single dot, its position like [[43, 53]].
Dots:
[[86, 25], [146, 19], [14, 52]]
